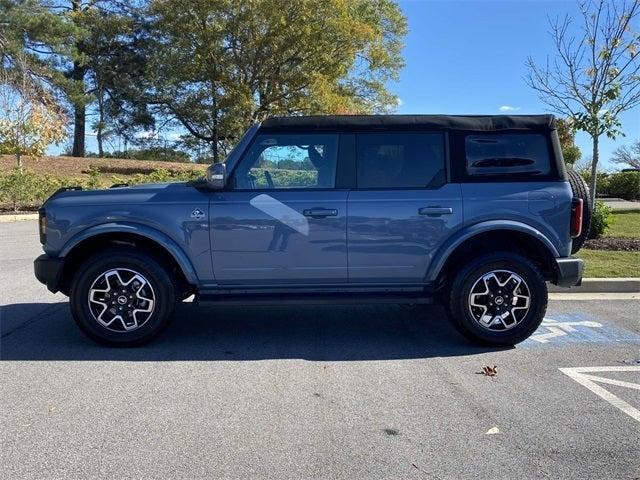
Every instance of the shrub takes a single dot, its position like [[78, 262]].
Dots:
[[162, 175], [625, 185], [600, 220], [23, 189], [27, 190], [603, 183]]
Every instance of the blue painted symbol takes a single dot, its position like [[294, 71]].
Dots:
[[577, 328]]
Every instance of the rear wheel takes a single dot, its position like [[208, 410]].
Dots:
[[122, 297], [498, 299]]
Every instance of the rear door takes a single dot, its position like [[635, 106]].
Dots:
[[403, 208], [281, 220]]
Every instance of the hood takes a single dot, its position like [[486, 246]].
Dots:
[[125, 194]]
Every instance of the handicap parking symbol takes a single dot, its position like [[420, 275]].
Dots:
[[550, 328], [577, 328]]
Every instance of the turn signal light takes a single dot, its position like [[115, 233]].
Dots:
[[42, 225]]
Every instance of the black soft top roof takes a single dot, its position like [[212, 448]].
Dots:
[[431, 122]]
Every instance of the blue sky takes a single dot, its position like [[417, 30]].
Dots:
[[469, 57]]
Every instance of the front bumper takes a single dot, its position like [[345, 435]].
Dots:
[[569, 271], [48, 270]]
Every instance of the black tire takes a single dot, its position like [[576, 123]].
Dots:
[[580, 189], [158, 279], [461, 311]]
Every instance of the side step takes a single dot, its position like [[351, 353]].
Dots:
[[311, 299]]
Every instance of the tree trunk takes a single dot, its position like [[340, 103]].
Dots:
[[594, 171], [214, 145], [77, 74], [19, 159], [99, 140], [78, 131], [100, 125]]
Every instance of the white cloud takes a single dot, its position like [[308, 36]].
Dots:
[[399, 101], [508, 108]]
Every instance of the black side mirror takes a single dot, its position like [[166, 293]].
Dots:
[[217, 176]]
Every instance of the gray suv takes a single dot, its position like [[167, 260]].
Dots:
[[474, 211]]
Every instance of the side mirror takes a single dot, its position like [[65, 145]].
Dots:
[[217, 176]]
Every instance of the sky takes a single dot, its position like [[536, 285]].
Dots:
[[468, 57]]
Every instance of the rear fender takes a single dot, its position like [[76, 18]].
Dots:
[[440, 258]]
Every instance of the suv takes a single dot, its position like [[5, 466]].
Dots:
[[477, 211]]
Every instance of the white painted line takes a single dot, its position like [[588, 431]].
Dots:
[[579, 374], [612, 381], [595, 296]]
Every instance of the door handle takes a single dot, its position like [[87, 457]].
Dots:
[[435, 211], [320, 212]]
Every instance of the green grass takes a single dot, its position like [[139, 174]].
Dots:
[[624, 224], [605, 263]]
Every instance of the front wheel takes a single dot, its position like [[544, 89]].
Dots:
[[122, 297], [498, 299]]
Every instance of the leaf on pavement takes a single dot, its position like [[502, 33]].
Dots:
[[489, 371]]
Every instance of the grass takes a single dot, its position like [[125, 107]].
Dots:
[[624, 224], [606, 263]]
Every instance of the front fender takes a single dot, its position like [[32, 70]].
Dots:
[[142, 230], [466, 233]]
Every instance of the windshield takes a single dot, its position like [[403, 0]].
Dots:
[[236, 152]]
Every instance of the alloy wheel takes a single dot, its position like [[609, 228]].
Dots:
[[499, 300], [121, 300]]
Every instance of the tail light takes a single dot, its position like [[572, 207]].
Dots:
[[42, 225], [577, 208]]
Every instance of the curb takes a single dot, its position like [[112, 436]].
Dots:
[[601, 285], [18, 217]]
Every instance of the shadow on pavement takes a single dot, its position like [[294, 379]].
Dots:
[[44, 331]]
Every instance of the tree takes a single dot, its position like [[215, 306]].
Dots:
[[595, 73], [38, 41], [115, 67], [69, 46], [29, 123], [628, 155], [216, 66], [570, 151]]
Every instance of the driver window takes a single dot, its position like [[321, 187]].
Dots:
[[277, 162]]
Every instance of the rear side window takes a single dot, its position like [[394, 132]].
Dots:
[[400, 160], [507, 154]]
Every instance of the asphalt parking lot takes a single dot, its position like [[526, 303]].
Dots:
[[334, 392]]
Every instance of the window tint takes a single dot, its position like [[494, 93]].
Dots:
[[401, 160], [289, 162], [507, 154]]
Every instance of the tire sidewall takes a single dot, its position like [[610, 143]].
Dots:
[[155, 274], [464, 282]]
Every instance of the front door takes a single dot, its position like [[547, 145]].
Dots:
[[403, 208], [281, 221]]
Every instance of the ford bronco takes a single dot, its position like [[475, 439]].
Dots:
[[475, 211]]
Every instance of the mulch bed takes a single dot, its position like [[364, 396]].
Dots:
[[614, 243]]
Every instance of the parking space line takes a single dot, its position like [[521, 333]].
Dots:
[[580, 375]]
